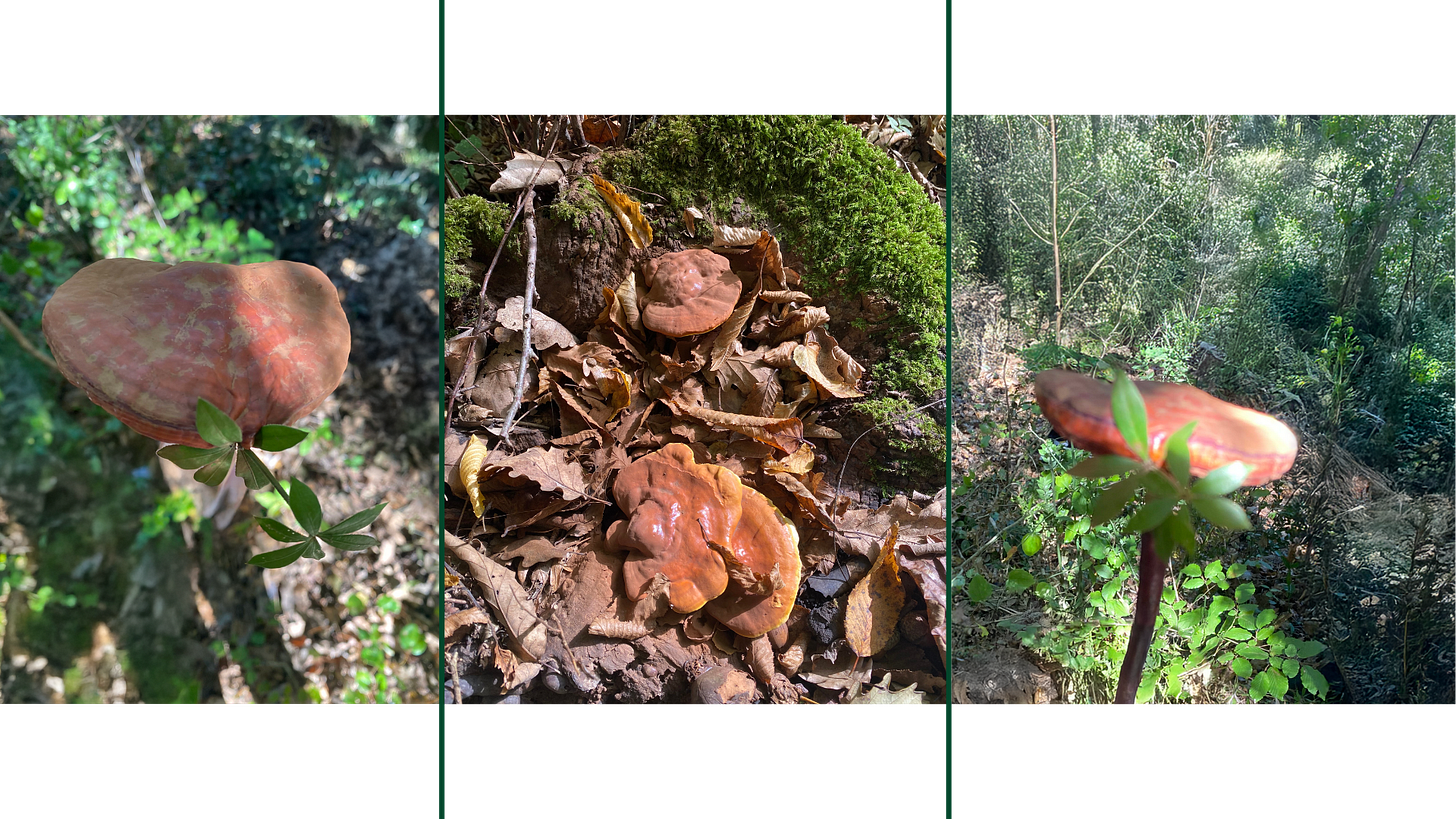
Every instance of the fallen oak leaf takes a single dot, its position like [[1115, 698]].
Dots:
[[458, 622], [872, 613], [628, 211], [547, 468], [504, 595], [785, 434]]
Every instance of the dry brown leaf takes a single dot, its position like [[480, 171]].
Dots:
[[828, 365], [872, 613], [798, 463], [456, 624], [929, 575], [800, 321], [784, 296], [546, 332], [531, 550], [547, 468], [457, 350], [726, 236], [600, 130], [504, 595], [785, 434], [628, 211]]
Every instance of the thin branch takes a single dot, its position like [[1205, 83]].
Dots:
[[25, 344], [1033, 230], [134, 155], [526, 352], [1114, 248]]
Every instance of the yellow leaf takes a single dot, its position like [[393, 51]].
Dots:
[[872, 614], [470, 462], [628, 211]]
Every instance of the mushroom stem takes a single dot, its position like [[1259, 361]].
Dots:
[[1151, 569]]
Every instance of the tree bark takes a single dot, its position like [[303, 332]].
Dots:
[[1355, 283]]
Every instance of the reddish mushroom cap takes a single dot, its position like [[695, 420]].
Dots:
[[672, 502], [1080, 408], [768, 544], [266, 343], [689, 292]]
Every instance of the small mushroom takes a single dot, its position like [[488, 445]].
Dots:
[[688, 292], [674, 505], [265, 343], [1080, 409]]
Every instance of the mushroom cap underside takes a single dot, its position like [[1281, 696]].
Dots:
[[1079, 407], [266, 343]]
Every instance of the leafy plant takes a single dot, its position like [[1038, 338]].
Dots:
[[213, 465]]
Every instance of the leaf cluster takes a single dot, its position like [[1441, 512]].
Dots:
[[228, 454]]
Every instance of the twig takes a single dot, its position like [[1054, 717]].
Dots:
[[834, 511], [25, 344], [526, 352], [134, 154]]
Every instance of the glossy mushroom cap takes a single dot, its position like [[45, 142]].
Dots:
[[689, 292], [266, 343], [673, 504], [768, 544], [1080, 408]]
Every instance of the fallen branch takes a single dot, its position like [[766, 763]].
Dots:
[[526, 351]]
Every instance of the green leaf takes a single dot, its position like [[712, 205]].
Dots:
[[1278, 683], [348, 543], [1244, 592], [313, 550], [1019, 580], [412, 640], [356, 521], [1221, 512], [279, 558], [1310, 648], [1173, 677], [1180, 530], [1290, 667], [252, 470], [1242, 667], [190, 457], [979, 589], [1266, 617], [1103, 466], [278, 531], [1110, 503], [1175, 453], [1130, 415], [1252, 652], [1188, 621], [1160, 485], [1236, 633], [388, 604], [1031, 544], [276, 437], [1218, 605], [1222, 481], [215, 427], [1259, 685], [214, 473], [305, 506], [1151, 514], [1314, 682]]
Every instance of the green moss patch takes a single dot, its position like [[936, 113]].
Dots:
[[470, 220]]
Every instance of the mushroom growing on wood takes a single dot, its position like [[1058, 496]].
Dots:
[[688, 292], [1080, 409], [265, 343]]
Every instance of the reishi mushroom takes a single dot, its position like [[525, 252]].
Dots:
[[1080, 409], [265, 343], [675, 505], [722, 546], [688, 292]]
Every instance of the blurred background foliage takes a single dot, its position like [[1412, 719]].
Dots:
[[84, 510]]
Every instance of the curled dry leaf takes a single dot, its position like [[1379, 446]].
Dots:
[[628, 211], [785, 434], [495, 384], [800, 321], [618, 629], [872, 613], [761, 658], [504, 595], [929, 574], [793, 656], [783, 296], [470, 462], [456, 624], [726, 236], [525, 168], [827, 364]]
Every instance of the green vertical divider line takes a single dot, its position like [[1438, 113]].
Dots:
[[949, 347], [440, 472]]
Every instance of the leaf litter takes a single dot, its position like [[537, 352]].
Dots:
[[540, 612]]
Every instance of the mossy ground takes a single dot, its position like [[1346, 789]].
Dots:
[[860, 224], [470, 220]]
